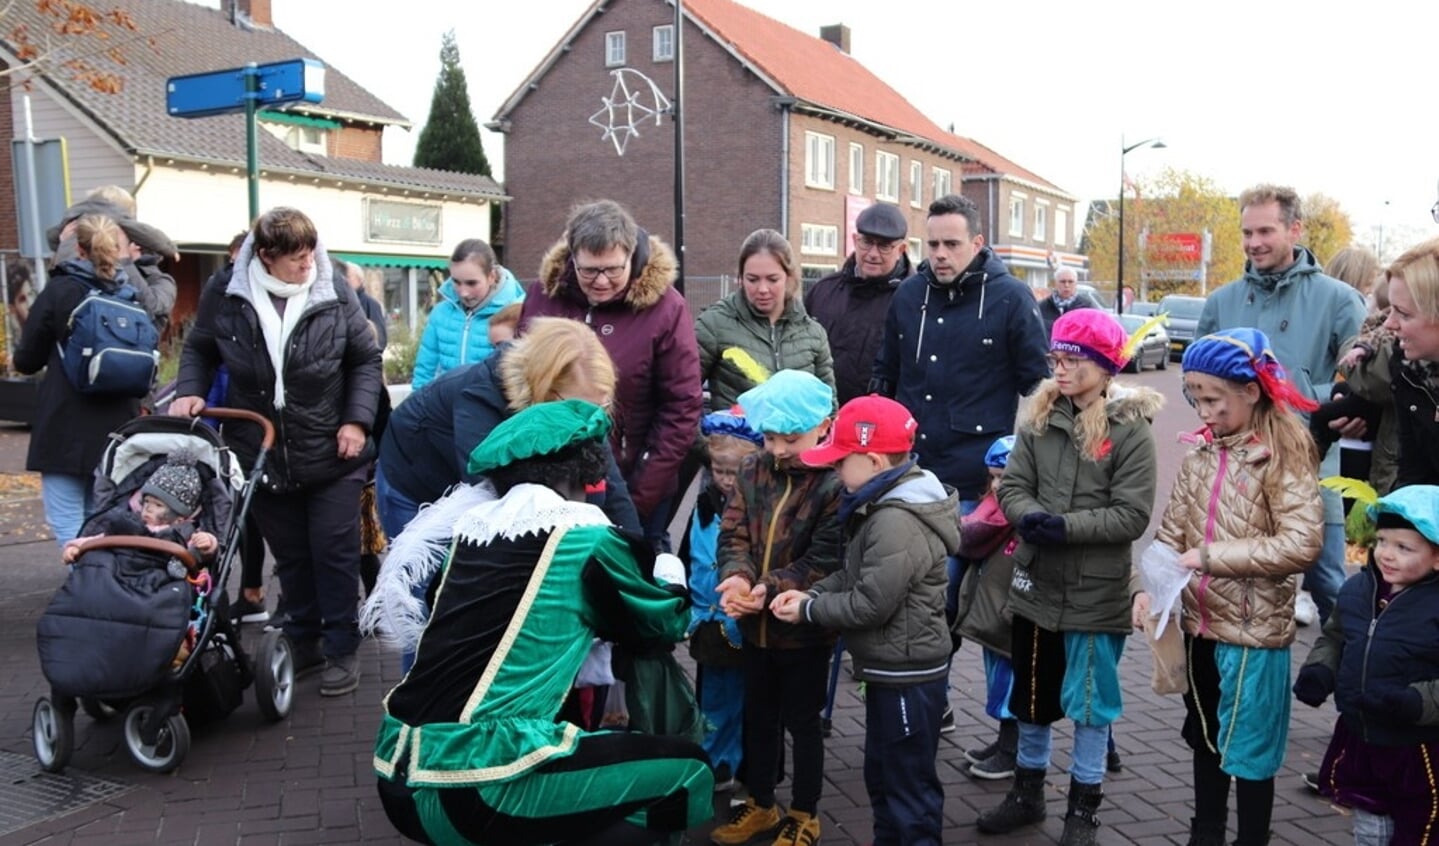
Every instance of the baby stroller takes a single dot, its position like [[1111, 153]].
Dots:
[[141, 628]]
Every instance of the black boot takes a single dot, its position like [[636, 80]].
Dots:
[[1001, 762], [1205, 833], [1023, 805], [1081, 825]]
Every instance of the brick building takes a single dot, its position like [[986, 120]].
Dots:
[[782, 130]]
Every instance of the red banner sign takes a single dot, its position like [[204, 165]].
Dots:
[[1175, 248]]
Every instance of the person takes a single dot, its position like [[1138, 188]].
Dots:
[[70, 429], [1365, 367], [457, 330], [779, 531], [1414, 362], [505, 323], [1245, 517], [761, 328], [471, 748], [169, 504], [424, 448], [354, 275], [1064, 298], [888, 601], [321, 393], [19, 295], [617, 279], [715, 639], [1079, 489], [1307, 316], [851, 303], [1377, 657], [986, 536]]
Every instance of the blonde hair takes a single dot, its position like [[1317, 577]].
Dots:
[[1091, 425], [508, 316], [1419, 268], [115, 196], [1355, 266], [554, 352], [729, 445], [99, 239]]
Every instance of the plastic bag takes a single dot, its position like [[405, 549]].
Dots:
[[1163, 579], [596, 671], [1166, 647]]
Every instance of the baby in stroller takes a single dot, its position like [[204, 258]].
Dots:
[[165, 508]]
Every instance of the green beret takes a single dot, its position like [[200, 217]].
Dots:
[[541, 429]]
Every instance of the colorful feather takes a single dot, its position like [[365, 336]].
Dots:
[[752, 370], [1138, 336], [1351, 489]]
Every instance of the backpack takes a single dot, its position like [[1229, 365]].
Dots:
[[113, 347]]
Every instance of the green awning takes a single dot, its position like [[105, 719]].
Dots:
[[374, 260], [297, 120]]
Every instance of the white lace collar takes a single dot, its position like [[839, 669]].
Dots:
[[527, 509]]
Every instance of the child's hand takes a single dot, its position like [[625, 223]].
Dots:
[[1191, 560], [788, 606], [1314, 684], [71, 552], [1140, 611], [1355, 356], [204, 543], [738, 598]]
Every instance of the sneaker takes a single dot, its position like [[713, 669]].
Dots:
[[724, 779], [799, 829], [1113, 763], [246, 610], [1306, 613], [341, 676], [307, 656], [998, 766], [1311, 782], [974, 756], [747, 823], [946, 720]]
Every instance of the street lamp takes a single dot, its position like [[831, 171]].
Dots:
[[1158, 144]]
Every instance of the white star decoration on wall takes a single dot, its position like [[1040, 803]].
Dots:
[[624, 109]]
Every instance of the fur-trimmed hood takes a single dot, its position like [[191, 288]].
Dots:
[[1124, 403], [653, 270]]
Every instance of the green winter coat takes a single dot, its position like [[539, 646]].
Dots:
[[1083, 584], [794, 342]]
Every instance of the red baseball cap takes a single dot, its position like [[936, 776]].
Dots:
[[865, 424]]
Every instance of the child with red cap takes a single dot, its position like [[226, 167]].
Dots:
[[888, 601], [1079, 489]]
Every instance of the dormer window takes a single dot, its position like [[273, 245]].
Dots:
[[301, 133]]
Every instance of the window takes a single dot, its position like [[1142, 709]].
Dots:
[[304, 139], [943, 182], [1041, 221], [916, 184], [915, 248], [818, 240], [1016, 215], [819, 160], [614, 49], [886, 176], [1061, 227], [664, 50], [856, 168]]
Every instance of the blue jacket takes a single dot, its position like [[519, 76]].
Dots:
[[427, 441], [959, 357], [454, 336], [1402, 649]]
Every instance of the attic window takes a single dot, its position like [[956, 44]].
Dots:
[[664, 47], [300, 137], [614, 49]]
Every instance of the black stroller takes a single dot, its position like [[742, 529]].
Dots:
[[140, 627]]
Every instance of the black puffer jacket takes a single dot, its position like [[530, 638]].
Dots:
[[332, 373], [1416, 410], [852, 312]]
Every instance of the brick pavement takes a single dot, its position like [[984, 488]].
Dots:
[[307, 779]]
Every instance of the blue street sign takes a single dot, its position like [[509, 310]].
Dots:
[[225, 91]]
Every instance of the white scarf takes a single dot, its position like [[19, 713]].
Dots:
[[275, 327]]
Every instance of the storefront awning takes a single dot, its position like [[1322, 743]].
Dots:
[[375, 260]]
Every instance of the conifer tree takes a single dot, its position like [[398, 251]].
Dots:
[[451, 137]]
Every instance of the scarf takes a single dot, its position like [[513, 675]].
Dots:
[[850, 502], [277, 328], [1063, 304]]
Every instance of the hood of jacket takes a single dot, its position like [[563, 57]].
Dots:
[[653, 270], [1123, 403], [509, 290], [1305, 265], [922, 494], [322, 291], [983, 267]]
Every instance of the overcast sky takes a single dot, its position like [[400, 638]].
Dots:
[[1337, 98]]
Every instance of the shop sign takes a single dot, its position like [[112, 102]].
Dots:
[[402, 223]]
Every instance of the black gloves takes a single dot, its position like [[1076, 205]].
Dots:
[[1314, 684], [1042, 529], [1401, 705]]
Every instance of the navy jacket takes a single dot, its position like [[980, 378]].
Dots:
[[1416, 410], [959, 357]]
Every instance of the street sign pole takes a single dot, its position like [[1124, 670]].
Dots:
[[252, 138]]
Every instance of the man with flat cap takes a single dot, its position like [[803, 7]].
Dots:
[[851, 302]]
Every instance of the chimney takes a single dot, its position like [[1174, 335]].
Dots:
[[836, 34], [257, 11]]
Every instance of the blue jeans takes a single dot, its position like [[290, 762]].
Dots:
[[396, 509], [955, 566], [68, 500], [901, 740], [1091, 745], [1324, 579]]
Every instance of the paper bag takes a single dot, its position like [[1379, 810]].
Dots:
[[1166, 647]]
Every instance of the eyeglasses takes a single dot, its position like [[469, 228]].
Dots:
[[864, 243], [614, 273], [1064, 362]]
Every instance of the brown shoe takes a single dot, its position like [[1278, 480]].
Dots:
[[798, 829], [747, 823]]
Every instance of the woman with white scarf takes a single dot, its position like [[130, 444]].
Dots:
[[300, 352]]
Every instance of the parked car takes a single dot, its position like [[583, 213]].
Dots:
[[1095, 294], [1183, 318], [1154, 349], [1143, 309]]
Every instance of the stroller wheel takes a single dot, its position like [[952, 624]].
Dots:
[[98, 710], [54, 735], [172, 742], [275, 676]]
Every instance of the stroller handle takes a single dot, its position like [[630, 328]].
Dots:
[[164, 547], [267, 440]]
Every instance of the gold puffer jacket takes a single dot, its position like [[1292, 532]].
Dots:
[[1265, 531]]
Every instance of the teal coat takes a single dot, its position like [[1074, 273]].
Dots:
[[454, 336], [795, 342]]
